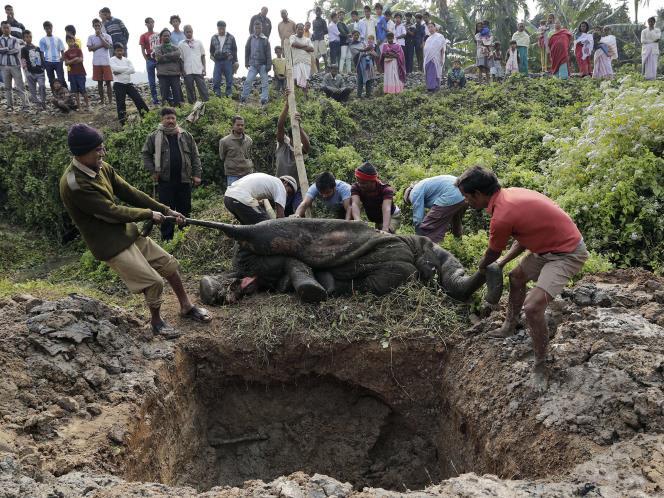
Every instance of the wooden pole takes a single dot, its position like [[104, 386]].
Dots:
[[295, 125]]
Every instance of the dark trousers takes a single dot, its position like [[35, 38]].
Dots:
[[410, 55], [54, 69], [151, 69], [361, 85], [246, 215], [168, 84], [338, 95], [192, 82], [335, 52], [419, 52], [225, 69], [176, 196], [279, 85], [122, 90]]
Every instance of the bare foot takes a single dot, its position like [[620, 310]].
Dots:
[[507, 329], [540, 378]]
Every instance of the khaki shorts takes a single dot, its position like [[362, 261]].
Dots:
[[553, 271], [143, 267], [320, 48]]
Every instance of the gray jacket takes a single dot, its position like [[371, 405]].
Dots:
[[191, 161]]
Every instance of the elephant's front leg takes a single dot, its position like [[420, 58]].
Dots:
[[305, 284]]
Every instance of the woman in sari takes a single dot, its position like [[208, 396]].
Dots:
[[393, 65], [559, 46], [434, 58], [583, 49], [607, 50], [484, 41], [650, 49]]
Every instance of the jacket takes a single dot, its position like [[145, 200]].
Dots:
[[235, 153], [265, 56], [169, 62], [191, 161], [265, 22], [227, 52]]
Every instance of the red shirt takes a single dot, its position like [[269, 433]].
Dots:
[[534, 220], [149, 41], [75, 69], [373, 201]]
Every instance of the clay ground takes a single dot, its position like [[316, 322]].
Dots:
[[92, 405]]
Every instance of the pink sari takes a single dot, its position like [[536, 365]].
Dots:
[[394, 69]]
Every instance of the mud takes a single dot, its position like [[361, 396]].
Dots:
[[92, 405]]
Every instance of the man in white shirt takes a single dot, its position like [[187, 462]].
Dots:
[[399, 30], [122, 69], [193, 55], [367, 25], [244, 198], [334, 39]]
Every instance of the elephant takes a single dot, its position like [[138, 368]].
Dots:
[[319, 258]]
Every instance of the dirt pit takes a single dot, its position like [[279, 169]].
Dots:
[[210, 427]]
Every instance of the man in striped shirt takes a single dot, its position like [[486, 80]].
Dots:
[[10, 64], [53, 50]]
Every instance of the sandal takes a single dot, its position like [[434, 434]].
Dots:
[[198, 314], [166, 331]]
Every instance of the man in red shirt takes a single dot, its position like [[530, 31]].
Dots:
[[556, 252], [148, 41]]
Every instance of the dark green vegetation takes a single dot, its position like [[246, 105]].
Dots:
[[595, 149]]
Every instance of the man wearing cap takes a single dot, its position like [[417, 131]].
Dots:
[[445, 203], [223, 52], [376, 197], [244, 198], [89, 188]]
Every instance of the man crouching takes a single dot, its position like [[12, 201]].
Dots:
[[89, 188]]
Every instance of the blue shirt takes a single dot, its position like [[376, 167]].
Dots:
[[177, 37], [381, 29], [420, 33], [435, 191], [341, 193], [51, 46]]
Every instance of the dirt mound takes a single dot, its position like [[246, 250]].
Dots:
[[91, 404]]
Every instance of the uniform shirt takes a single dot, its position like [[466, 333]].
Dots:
[[534, 220], [51, 46], [101, 55], [124, 67], [253, 188], [373, 201], [341, 193], [435, 191], [192, 51]]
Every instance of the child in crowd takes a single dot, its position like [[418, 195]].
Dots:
[[62, 98], [279, 65], [541, 42], [512, 65], [73, 57], [456, 78], [32, 59], [99, 44], [497, 72]]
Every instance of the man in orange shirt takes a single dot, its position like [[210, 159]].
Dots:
[[556, 252]]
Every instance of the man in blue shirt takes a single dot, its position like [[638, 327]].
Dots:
[[445, 203], [334, 195], [381, 25]]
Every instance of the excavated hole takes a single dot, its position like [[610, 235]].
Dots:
[[206, 429]]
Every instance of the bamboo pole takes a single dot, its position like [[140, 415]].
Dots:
[[295, 125]]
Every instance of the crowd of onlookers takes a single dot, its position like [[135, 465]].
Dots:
[[367, 44]]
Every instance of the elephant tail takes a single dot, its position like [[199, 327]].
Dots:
[[236, 232]]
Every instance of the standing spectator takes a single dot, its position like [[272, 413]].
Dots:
[[33, 61], [148, 41], [169, 69], [16, 27], [420, 39], [334, 40], [550, 28], [583, 48], [177, 36], [445, 203], [53, 49], [559, 46], [496, 58], [115, 28], [334, 86], [484, 41], [244, 199], [99, 44], [10, 65], [235, 152], [171, 156], [307, 30], [381, 25], [456, 78], [650, 38], [301, 48], [400, 31], [607, 51], [258, 60], [393, 64], [318, 38], [434, 58], [122, 70], [76, 72], [389, 23], [62, 99], [279, 65], [70, 30], [367, 26], [512, 65], [376, 197], [364, 59], [223, 51], [285, 154], [345, 61], [265, 22], [522, 39], [334, 195], [286, 27], [193, 56], [354, 23], [541, 43], [409, 46]]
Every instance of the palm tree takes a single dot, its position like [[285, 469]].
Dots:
[[645, 3]]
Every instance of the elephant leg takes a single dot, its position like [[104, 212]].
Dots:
[[458, 284], [306, 286], [209, 290], [222, 289], [326, 279], [382, 278]]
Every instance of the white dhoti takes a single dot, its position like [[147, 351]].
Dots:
[[301, 73]]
